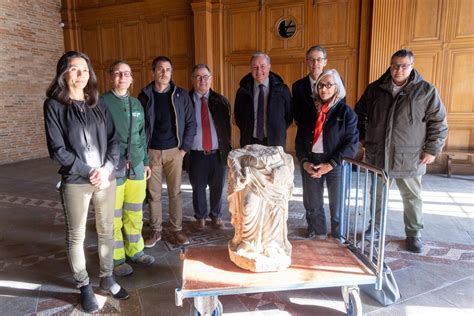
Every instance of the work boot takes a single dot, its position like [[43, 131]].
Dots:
[[123, 269], [145, 260], [199, 224], [152, 239], [109, 286], [414, 244], [179, 238], [88, 301], [217, 223]]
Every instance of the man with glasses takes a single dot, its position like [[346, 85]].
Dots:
[[210, 148], [170, 127], [402, 124], [263, 105], [304, 89]]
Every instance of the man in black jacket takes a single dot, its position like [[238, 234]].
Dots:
[[303, 89], [210, 148], [263, 106], [170, 127]]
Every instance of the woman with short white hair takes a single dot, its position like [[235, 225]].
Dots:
[[322, 141]]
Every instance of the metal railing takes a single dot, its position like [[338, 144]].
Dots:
[[358, 192]]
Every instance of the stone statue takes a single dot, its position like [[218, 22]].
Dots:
[[260, 185]]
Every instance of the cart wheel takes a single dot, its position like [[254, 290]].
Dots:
[[218, 311], [351, 297]]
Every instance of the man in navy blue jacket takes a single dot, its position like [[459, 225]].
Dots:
[[263, 107], [170, 126]]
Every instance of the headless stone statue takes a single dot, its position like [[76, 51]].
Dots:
[[260, 185]]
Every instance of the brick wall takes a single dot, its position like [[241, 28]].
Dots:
[[31, 42]]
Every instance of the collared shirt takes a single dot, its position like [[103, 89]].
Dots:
[[197, 143], [313, 85], [266, 92]]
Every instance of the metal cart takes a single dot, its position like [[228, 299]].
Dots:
[[347, 262]]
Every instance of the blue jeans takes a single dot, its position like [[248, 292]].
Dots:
[[313, 200]]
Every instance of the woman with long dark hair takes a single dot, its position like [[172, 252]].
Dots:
[[80, 136]]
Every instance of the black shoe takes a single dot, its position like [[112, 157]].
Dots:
[[109, 286], [368, 234], [88, 301], [414, 244]]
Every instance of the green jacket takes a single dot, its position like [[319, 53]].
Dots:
[[119, 109], [397, 130]]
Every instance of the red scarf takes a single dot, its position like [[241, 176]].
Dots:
[[318, 129]]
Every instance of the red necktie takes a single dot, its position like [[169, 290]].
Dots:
[[206, 126], [318, 129]]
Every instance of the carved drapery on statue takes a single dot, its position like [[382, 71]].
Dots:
[[260, 186]]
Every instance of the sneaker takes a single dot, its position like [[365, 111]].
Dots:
[[144, 259], [180, 238], [199, 224], [123, 269], [217, 223], [152, 239], [109, 286], [88, 301], [414, 244]]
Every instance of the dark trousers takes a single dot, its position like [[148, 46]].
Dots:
[[206, 170], [313, 199]]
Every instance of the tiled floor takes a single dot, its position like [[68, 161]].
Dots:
[[35, 276]]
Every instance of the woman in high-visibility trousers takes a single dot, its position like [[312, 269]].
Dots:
[[132, 171]]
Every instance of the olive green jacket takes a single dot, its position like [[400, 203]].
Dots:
[[397, 130]]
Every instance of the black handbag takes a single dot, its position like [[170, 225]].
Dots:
[[389, 294], [124, 165]]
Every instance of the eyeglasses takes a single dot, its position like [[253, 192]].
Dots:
[[125, 74], [327, 85], [203, 78], [259, 67], [400, 66], [318, 60]]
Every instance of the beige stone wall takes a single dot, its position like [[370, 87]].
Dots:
[[31, 42]]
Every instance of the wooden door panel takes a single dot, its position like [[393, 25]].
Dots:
[[89, 38], [242, 34], [425, 21], [132, 47], [155, 31], [463, 28], [459, 80], [179, 45], [110, 43], [275, 15]]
